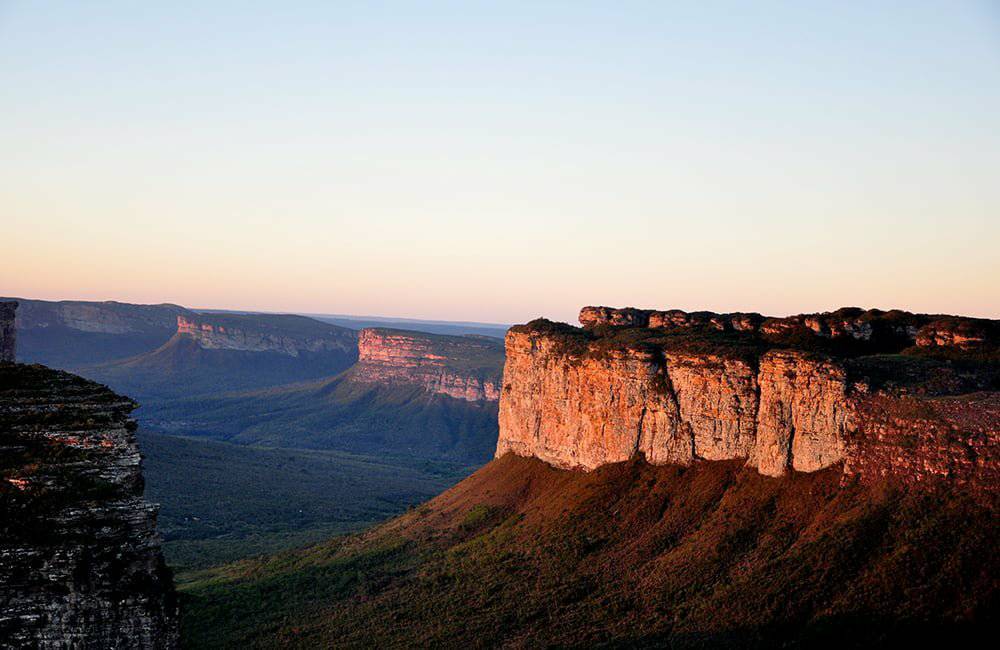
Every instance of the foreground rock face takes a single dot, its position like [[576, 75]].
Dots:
[[463, 367], [801, 393], [80, 561], [8, 333], [286, 334]]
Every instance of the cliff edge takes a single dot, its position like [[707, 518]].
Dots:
[[892, 393], [80, 560], [462, 367], [283, 333]]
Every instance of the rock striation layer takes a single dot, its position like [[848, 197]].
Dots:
[[80, 560], [285, 334], [792, 394], [463, 367], [8, 332]]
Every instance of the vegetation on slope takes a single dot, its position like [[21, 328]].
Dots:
[[338, 414], [631, 554], [222, 502], [181, 367]]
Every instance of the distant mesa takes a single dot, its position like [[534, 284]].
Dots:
[[284, 333], [71, 334], [424, 395], [885, 393], [463, 367]]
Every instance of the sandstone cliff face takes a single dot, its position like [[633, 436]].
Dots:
[[265, 333], [8, 333], [804, 413], [80, 561], [465, 368], [586, 410], [681, 387]]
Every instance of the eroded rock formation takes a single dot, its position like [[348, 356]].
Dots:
[[80, 560], [286, 334], [800, 393], [462, 367]]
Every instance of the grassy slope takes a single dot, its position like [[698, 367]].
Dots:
[[180, 368], [530, 556], [338, 414], [221, 502]]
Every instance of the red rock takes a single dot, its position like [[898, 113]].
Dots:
[[466, 368], [585, 398]]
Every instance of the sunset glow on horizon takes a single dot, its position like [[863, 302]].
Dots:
[[502, 162]]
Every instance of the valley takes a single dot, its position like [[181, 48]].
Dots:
[[677, 479], [245, 500], [232, 398], [649, 478]]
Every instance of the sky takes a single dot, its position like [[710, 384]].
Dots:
[[499, 161]]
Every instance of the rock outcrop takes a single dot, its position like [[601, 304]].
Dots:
[[792, 394], [804, 413], [286, 334], [8, 332], [462, 367], [80, 560]]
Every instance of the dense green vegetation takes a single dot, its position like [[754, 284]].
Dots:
[[630, 555], [337, 414], [221, 502]]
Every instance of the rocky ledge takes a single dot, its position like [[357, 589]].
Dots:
[[80, 561], [285, 334], [888, 394], [462, 367]]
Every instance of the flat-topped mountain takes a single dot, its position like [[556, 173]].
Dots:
[[466, 368], [285, 333], [70, 334], [800, 393], [412, 393], [215, 353]]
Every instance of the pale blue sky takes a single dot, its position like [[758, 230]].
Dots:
[[500, 161]]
